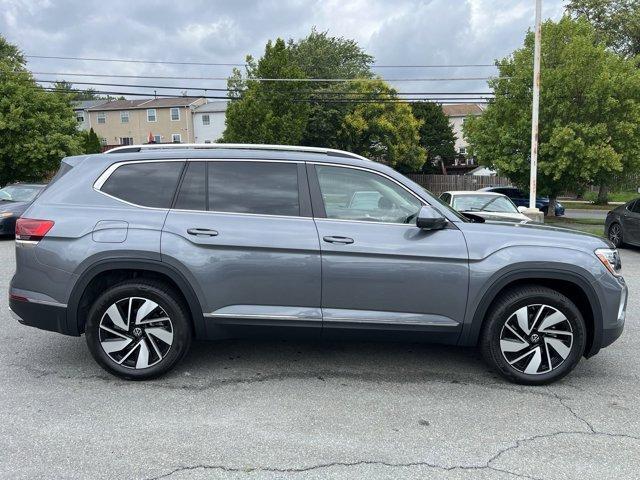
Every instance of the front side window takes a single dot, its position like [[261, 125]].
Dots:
[[102, 117], [175, 114], [635, 207], [150, 184], [351, 194], [206, 120], [267, 188], [124, 117], [151, 115]]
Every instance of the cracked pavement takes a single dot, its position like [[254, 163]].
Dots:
[[285, 409]]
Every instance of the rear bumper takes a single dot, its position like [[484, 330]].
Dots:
[[43, 315]]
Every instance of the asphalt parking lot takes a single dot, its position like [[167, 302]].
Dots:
[[245, 410]]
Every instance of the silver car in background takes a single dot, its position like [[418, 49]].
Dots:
[[488, 205]]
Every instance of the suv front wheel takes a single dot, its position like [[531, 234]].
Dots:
[[138, 329], [533, 335]]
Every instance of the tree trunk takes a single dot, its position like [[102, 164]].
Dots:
[[553, 199], [603, 194]]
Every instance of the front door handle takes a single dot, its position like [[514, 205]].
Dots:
[[343, 240], [202, 232]]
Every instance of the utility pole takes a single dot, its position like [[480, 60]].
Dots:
[[535, 108]]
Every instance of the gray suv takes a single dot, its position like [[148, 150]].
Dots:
[[145, 248]]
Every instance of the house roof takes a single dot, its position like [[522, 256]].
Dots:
[[219, 106], [462, 109], [146, 103], [85, 104]]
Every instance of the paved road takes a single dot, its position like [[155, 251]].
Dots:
[[248, 410], [583, 213]]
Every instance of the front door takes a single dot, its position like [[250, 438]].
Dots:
[[243, 230], [631, 223], [379, 271]]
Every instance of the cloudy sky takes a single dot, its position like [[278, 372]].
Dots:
[[395, 32]]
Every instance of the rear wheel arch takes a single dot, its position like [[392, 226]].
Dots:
[[109, 272], [570, 284]]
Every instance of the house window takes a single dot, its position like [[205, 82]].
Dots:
[[151, 115], [102, 117], [176, 138], [157, 138], [462, 150], [80, 116], [124, 117], [206, 120], [207, 141], [175, 114], [126, 141], [103, 141]]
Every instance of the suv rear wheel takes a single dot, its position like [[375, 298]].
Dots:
[[533, 335], [138, 329]]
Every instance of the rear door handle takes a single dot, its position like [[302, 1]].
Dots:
[[202, 232], [343, 240]]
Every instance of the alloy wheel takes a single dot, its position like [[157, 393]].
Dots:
[[136, 332], [536, 339], [615, 234]]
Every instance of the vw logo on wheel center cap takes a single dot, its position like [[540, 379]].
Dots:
[[535, 338], [137, 331]]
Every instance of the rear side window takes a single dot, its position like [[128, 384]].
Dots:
[[150, 184], [269, 188], [193, 193]]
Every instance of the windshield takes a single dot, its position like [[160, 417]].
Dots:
[[446, 206], [19, 193], [484, 203]]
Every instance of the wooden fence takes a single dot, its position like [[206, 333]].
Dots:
[[437, 184]]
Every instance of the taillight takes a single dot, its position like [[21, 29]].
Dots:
[[32, 229]]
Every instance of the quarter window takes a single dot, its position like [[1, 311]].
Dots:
[[151, 115], [150, 184], [268, 188], [175, 114], [351, 194]]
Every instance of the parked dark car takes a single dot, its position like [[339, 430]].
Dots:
[[14, 200], [623, 224], [521, 199]]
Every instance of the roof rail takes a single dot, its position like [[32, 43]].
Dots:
[[239, 146]]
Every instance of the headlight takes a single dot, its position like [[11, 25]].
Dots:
[[610, 258], [6, 214]]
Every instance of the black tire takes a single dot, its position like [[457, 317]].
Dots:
[[505, 309], [617, 240], [169, 303]]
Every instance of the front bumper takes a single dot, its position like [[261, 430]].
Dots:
[[43, 315]]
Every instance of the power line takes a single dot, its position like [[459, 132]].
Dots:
[[171, 62], [303, 100], [332, 80], [315, 92]]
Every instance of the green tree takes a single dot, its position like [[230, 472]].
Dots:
[[589, 112], [91, 142], [617, 22], [384, 130], [37, 128], [267, 111], [74, 94], [436, 134]]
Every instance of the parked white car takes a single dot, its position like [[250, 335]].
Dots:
[[488, 205]]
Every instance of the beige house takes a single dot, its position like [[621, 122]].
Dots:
[[457, 113], [129, 122]]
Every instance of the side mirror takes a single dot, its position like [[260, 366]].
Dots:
[[522, 209], [430, 219]]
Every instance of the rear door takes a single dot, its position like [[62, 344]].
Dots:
[[243, 231], [379, 271]]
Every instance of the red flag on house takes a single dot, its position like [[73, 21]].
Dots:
[[151, 138]]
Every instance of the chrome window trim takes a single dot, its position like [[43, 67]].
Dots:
[[98, 184]]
